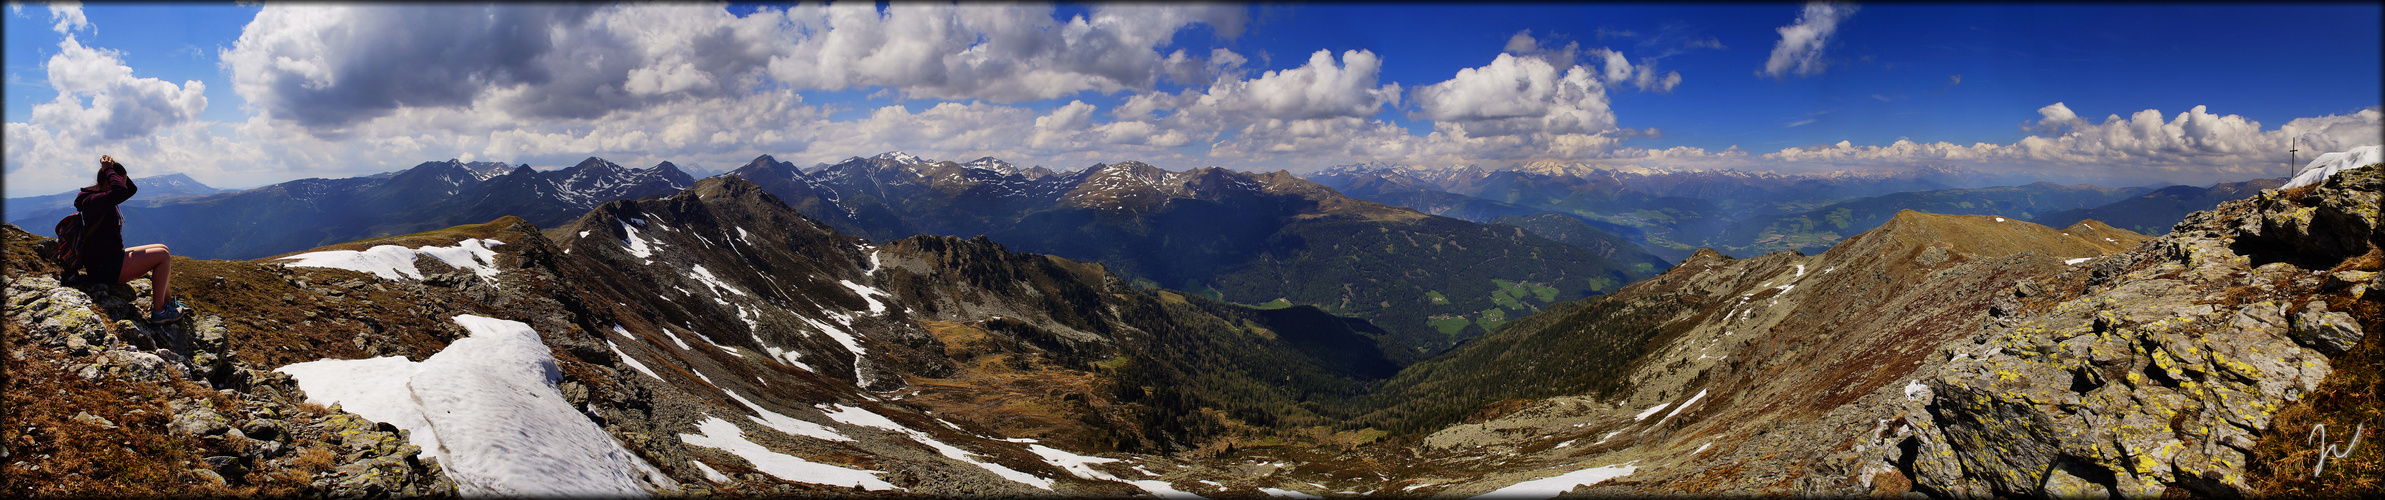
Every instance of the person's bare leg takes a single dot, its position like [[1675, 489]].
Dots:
[[153, 260]]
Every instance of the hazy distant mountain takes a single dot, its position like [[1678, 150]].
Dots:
[[1821, 228], [162, 186], [307, 213], [1243, 237], [2154, 213], [1674, 212]]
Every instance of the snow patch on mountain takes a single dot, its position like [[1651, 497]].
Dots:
[[701, 274], [863, 417], [783, 423], [633, 362], [866, 292], [637, 245], [397, 262], [1550, 487], [1678, 408], [710, 473], [1079, 465], [488, 408], [2328, 164], [1644, 414], [1280, 493], [725, 436]]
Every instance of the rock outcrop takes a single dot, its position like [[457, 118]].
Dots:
[[222, 425], [2155, 369]]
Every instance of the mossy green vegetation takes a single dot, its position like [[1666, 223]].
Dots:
[[1449, 324], [1492, 318]]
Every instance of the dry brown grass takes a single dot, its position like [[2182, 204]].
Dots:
[[1016, 393], [313, 460], [275, 321], [2372, 261], [436, 237], [52, 454], [2350, 397]]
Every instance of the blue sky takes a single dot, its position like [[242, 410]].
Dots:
[[291, 91]]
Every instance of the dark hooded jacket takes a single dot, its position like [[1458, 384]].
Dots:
[[103, 248]]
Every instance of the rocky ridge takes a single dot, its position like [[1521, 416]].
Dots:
[[1936, 357], [195, 416], [2156, 369]]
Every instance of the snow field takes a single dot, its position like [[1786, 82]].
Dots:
[[1603, 439], [1080, 465], [863, 417], [1550, 487], [1650, 411], [1163, 490], [488, 408], [1683, 406], [866, 292], [790, 425], [2328, 164], [842, 337], [397, 262], [700, 274], [722, 435], [710, 474], [637, 246], [633, 362], [1075, 464]]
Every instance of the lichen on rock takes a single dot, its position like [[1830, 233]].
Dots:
[[2162, 372]]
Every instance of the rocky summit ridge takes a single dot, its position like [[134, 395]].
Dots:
[[1948, 356]]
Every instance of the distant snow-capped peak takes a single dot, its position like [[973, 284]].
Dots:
[[992, 164], [900, 158]]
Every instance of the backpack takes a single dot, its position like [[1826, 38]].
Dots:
[[71, 231]]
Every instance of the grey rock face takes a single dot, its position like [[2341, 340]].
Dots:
[[254, 434], [200, 422], [2328, 332], [2161, 372]]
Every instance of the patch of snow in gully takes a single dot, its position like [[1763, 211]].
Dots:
[[722, 435], [488, 407], [1550, 487]]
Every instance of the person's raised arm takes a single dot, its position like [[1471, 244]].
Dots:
[[120, 187]]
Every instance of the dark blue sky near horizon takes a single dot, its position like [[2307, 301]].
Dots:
[[1961, 75]]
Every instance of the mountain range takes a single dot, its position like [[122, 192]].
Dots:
[[307, 213], [1674, 213], [1375, 242], [717, 340], [1251, 238], [2154, 212]]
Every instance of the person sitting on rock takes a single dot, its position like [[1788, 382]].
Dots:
[[98, 205]]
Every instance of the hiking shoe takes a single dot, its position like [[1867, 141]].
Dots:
[[173, 311]]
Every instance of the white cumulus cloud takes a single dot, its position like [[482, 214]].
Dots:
[[1517, 95], [332, 67], [67, 17], [2193, 146], [1801, 43]]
